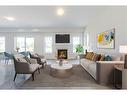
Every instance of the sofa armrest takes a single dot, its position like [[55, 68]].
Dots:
[[124, 79], [105, 71]]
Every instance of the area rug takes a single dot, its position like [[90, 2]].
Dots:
[[80, 79]]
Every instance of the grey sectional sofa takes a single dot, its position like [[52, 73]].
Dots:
[[101, 71]]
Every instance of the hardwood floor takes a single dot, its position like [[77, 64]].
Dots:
[[7, 75], [22, 81]]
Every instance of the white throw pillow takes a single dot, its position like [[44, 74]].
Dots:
[[22, 60]]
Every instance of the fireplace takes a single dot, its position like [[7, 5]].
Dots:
[[62, 53]]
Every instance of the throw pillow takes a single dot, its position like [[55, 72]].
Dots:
[[89, 55], [96, 57], [18, 59], [22, 60], [102, 58], [27, 59], [108, 58]]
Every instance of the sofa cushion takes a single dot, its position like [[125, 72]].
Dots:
[[89, 66], [89, 55], [92, 69], [85, 63], [34, 67], [118, 58]]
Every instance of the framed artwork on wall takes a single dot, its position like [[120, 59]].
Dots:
[[106, 39]]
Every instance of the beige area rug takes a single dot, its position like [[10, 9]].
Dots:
[[80, 79]]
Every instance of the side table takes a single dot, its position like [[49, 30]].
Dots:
[[118, 76]]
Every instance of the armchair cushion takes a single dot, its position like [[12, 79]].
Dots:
[[33, 61], [33, 67]]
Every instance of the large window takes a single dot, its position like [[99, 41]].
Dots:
[[25, 44], [20, 43], [29, 44], [76, 41], [2, 44], [48, 44]]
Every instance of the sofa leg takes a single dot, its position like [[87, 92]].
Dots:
[[15, 76], [32, 76]]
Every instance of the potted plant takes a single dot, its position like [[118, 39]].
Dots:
[[79, 49]]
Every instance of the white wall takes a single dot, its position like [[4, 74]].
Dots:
[[10, 34], [113, 17]]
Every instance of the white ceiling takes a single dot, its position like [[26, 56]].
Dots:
[[46, 16]]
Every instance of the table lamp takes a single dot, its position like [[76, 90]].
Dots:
[[123, 49]]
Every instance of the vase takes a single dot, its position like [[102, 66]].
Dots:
[[60, 62]]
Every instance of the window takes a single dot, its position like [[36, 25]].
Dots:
[[25, 44], [29, 44], [48, 44], [20, 43], [76, 41], [87, 40], [2, 44]]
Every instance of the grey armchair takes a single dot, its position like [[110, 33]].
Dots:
[[40, 59], [23, 67]]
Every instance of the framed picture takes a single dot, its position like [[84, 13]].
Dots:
[[106, 39]]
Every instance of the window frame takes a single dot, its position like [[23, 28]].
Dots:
[[74, 45], [25, 43], [4, 44], [50, 38]]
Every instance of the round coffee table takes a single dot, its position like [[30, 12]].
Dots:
[[61, 71]]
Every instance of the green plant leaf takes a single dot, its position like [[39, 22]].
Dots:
[[79, 48]]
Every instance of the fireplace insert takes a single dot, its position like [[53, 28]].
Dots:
[[62, 54]]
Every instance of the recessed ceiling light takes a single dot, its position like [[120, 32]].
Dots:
[[35, 30], [10, 18], [60, 11]]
